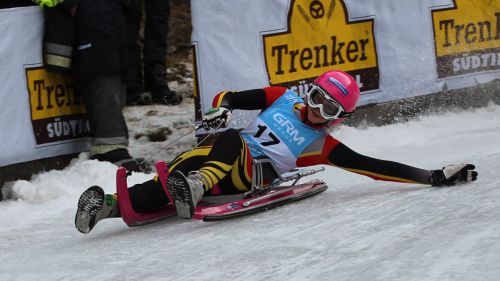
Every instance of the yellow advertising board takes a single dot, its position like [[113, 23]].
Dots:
[[57, 113], [467, 37], [319, 37]]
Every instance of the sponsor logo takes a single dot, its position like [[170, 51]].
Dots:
[[288, 128], [233, 206], [57, 114], [320, 37], [339, 85], [467, 37], [289, 97]]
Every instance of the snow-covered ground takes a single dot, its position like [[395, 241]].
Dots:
[[359, 229]]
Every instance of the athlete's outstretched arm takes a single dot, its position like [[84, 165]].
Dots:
[[340, 155], [248, 99], [332, 152], [347, 159]]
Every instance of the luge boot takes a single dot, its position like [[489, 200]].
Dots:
[[94, 206], [186, 191]]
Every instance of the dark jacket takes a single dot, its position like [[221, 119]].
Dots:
[[59, 38]]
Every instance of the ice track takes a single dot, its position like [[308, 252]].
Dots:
[[359, 229]]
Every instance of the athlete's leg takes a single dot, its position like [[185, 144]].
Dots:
[[240, 179], [227, 153], [188, 190], [149, 196]]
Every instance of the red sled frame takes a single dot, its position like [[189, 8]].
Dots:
[[129, 215], [220, 207], [266, 192]]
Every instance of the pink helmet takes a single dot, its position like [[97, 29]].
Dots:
[[342, 88]]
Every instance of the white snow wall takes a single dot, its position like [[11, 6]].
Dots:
[[395, 49]]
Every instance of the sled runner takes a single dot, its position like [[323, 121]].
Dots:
[[267, 191]]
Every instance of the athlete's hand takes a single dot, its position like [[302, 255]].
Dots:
[[453, 174], [217, 117]]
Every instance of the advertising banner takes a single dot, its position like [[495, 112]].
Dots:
[[394, 49], [467, 37], [40, 115], [57, 114], [319, 37]]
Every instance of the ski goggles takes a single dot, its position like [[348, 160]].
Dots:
[[329, 108]]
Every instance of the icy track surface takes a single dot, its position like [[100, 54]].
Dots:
[[359, 229]]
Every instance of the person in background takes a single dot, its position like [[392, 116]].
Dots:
[[6, 4], [147, 77], [290, 131], [87, 39]]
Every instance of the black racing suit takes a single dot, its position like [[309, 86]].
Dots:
[[227, 163]]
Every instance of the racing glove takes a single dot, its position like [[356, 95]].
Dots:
[[217, 117], [453, 174]]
